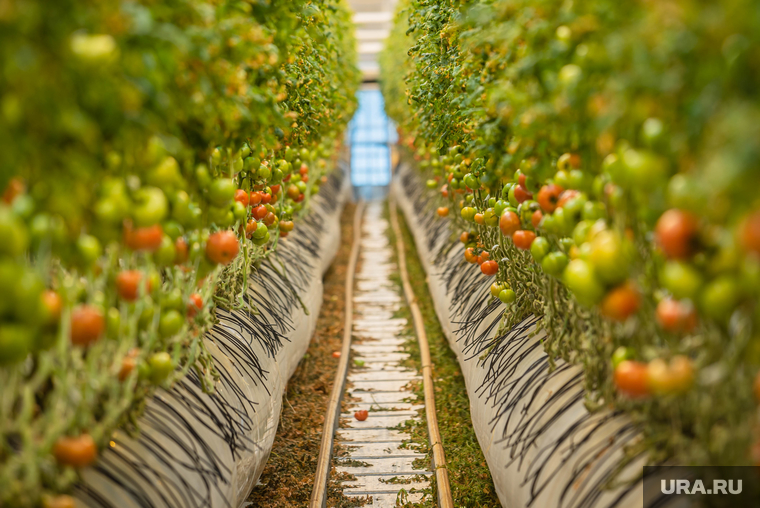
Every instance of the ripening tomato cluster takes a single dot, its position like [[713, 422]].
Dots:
[[576, 147], [143, 177]]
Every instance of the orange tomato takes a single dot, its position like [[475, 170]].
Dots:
[[87, 325], [621, 302], [478, 218], [242, 196], [631, 379], [523, 239], [77, 451], [489, 267], [750, 232], [194, 305], [676, 233], [148, 238], [15, 187], [128, 364], [182, 251], [509, 223], [60, 501], [470, 256], [52, 303], [443, 211], [675, 316], [222, 247], [535, 219], [260, 212], [483, 256], [128, 284], [250, 228], [522, 194], [548, 197], [255, 198]]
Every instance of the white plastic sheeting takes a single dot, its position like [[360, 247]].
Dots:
[[199, 450], [544, 449]]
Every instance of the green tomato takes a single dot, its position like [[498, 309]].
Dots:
[[468, 213], [539, 248], [89, 249], [150, 207], [166, 252], [579, 277], [580, 233], [549, 224], [16, 342], [264, 172], [173, 229], [512, 199], [594, 210], [113, 322], [471, 182], [239, 211], [173, 299], [170, 323], [277, 176], [221, 192], [261, 231], [431, 184], [490, 218], [681, 279], [720, 297], [160, 367], [610, 257], [499, 207], [643, 169], [27, 298], [507, 296], [554, 263], [505, 190], [562, 179], [13, 232], [566, 244], [620, 355], [261, 241]]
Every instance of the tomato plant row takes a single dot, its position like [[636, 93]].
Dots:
[[153, 154], [600, 161]]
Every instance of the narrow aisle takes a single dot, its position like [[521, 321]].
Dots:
[[378, 381]]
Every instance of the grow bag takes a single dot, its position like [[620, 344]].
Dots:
[[543, 447], [200, 450]]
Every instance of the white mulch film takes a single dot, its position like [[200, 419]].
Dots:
[[544, 449], [198, 450]]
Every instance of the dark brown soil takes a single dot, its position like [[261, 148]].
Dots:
[[288, 477]]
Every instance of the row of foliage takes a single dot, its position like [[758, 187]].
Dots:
[[601, 160], [153, 153]]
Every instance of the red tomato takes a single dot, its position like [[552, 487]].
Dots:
[[523, 239], [631, 379], [443, 211], [522, 194], [87, 325], [194, 305], [548, 197], [300, 198], [180, 245], [255, 198], [336, 354], [535, 219], [509, 223], [489, 267], [303, 170], [750, 232], [270, 219], [148, 238], [128, 284], [620, 303], [260, 212], [242, 196], [275, 189], [266, 198], [361, 415], [676, 233], [566, 196], [222, 247], [675, 316], [14, 188], [78, 451]]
